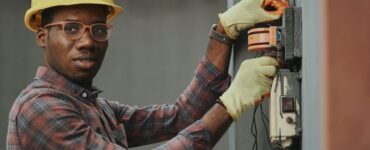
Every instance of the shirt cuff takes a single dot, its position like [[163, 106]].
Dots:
[[211, 77]]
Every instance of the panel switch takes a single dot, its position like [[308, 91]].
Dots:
[[287, 104]]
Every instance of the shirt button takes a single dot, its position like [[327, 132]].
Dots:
[[84, 95]]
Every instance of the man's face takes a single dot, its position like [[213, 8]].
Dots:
[[78, 60]]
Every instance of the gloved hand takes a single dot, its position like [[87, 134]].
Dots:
[[251, 82], [244, 14]]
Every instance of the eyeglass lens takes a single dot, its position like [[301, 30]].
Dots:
[[99, 32]]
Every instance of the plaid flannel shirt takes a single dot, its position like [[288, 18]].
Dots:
[[54, 113]]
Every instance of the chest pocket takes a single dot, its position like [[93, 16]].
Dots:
[[120, 135]]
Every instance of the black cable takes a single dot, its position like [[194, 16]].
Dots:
[[254, 129], [254, 125], [264, 119], [264, 115], [264, 124]]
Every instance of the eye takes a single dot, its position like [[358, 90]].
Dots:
[[100, 30], [72, 28]]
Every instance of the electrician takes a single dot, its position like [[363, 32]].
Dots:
[[61, 109]]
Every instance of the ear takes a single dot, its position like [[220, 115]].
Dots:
[[41, 37]]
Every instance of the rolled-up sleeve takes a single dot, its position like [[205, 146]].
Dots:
[[157, 123]]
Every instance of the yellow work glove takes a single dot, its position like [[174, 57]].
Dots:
[[252, 81], [244, 14]]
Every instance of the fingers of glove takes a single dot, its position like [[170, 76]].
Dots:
[[279, 5], [265, 81], [272, 15], [268, 71], [268, 16], [266, 60], [264, 89], [256, 91]]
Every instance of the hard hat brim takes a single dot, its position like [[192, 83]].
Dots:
[[32, 18]]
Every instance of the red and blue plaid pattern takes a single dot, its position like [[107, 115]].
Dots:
[[55, 113]]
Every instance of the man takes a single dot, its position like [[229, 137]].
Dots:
[[60, 109]]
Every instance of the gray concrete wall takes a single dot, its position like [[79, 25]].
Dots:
[[19, 58], [153, 51]]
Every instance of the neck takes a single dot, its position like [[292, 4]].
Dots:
[[84, 84]]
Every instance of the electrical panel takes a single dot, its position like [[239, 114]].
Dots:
[[285, 99], [283, 41]]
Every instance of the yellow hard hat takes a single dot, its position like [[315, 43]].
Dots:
[[32, 18]]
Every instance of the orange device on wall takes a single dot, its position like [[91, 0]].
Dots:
[[267, 39]]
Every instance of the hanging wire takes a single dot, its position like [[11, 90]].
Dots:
[[254, 129], [254, 125], [265, 119]]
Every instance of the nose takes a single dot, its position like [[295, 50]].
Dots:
[[86, 41]]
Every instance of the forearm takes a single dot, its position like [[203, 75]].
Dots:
[[209, 82], [195, 137], [200, 95], [217, 120], [219, 53], [202, 134]]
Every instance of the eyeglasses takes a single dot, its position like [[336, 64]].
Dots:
[[74, 30]]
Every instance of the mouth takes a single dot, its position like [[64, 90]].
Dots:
[[86, 63]]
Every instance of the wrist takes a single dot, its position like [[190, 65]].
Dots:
[[218, 33], [219, 102], [218, 52], [221, 29], [234, 105], [217, 120]]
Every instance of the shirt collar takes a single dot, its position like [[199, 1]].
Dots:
[[61, 83]]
